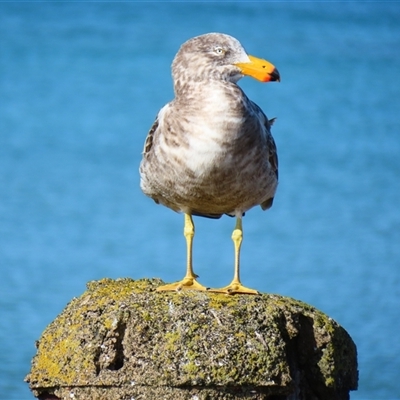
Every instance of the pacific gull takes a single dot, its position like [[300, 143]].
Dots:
[[210, 150]]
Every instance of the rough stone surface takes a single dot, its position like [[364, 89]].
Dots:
[[122, 340]]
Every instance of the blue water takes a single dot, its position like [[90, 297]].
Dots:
[[80, 85]]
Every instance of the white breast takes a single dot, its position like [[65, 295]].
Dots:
[[211, 132]]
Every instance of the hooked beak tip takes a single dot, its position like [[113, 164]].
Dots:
[[275, 76]]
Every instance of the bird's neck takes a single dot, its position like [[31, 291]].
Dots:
[[211, 98]]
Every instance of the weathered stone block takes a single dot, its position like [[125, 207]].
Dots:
[[122, 340]]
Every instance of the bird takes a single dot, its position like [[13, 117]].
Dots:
[[210, 151]]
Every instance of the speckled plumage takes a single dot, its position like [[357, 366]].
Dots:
[[210, 151]]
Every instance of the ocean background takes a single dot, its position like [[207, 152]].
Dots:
[[80, 86]]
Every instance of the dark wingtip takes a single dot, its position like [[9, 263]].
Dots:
[[212, 216], [267, 204]]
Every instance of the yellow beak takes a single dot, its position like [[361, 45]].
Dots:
[[259, 69]]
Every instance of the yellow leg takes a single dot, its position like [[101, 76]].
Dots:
[[189, 281], [236, 286]]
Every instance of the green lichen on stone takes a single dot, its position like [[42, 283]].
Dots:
[[122, 334]]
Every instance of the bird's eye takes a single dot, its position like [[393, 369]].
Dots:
[[219, 50]]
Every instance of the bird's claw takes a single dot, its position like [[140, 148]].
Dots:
[[235, 288], [185, 284]]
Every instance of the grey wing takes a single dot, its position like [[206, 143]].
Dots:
[[273, 154], [148, 144], [145, 175], [271, 148]]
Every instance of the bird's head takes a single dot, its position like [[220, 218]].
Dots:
[[221, 57]]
